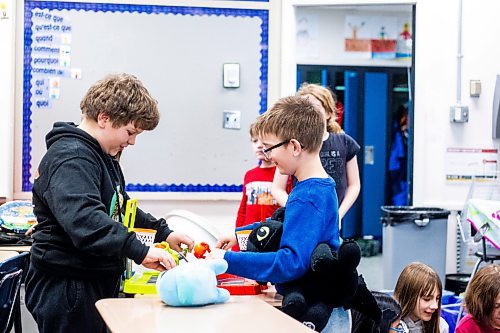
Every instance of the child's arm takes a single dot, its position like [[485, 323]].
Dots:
[[353, 186], [176, 239], [226, 242], [148, 221], [278, 189], [302, 230], [163, 232], [158, 259]]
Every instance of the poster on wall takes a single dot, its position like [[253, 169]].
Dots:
[[307, 36], [377, 37], [51, 56], [463, 164], [404, 42]]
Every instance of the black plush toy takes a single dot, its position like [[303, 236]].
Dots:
[[331, 281]]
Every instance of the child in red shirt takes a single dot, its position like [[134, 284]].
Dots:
[[257, 202]]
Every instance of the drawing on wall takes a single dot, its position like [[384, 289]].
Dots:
[[376, 36], [307, 36], [405, 41], [168, 55], [357, 38]]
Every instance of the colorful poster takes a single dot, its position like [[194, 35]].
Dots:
[[377, 36]]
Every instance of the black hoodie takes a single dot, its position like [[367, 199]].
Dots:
[[77, 194]]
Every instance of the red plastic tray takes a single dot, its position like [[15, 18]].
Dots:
[[237, 285]]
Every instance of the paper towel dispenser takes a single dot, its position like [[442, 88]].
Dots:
[[496, 110]]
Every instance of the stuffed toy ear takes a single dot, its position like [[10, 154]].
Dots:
[[219, 266], [323, 259], [192, 284], [349, 254], [279, 214], [265, 238]]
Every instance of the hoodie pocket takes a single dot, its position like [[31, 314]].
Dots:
[[73, 294]]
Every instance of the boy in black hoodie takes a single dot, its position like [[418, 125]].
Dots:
[[80, 242]]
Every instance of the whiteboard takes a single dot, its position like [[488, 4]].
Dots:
[[178, 53]]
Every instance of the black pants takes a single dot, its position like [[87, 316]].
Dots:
[[61, 304]]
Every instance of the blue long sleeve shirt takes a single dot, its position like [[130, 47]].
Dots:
[[311, 217]]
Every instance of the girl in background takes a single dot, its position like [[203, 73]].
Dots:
[[418, 291], [482, 300], [338, 153]]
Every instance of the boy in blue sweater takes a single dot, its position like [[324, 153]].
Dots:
[[292, 132]]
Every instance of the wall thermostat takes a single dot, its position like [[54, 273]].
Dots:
[[231, 75]]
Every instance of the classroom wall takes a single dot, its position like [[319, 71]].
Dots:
[[435, 92]]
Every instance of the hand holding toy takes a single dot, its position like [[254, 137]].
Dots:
[[176, 255]]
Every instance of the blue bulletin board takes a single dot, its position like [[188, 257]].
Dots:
[[178, 53]]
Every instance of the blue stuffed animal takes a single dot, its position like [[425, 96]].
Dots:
[[192, 284]]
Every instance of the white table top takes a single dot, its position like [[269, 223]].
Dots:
[[242, 314], [4, 255], [17, 248]]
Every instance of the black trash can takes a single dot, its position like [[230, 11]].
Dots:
[[413, 234]]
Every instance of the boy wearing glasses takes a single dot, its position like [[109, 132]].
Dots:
[[292, 134], [80, 242]]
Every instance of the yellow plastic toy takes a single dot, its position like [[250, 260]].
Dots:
[[144, 282]]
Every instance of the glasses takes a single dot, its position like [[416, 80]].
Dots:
[[401, 328], [266, 151]]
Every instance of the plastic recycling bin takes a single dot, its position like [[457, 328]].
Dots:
[[413, 234]]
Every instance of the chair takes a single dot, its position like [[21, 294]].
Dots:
[[484, 257], [11, 273], [195, 226]]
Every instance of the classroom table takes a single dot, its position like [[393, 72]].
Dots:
[[242, 314], [16, 248], [4, 255]]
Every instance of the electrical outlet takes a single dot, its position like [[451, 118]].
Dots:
[[231, 120]]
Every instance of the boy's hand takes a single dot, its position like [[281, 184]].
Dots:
[[29, 232], [175, 239], [226, 242], [158, 259], [216, 254]]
